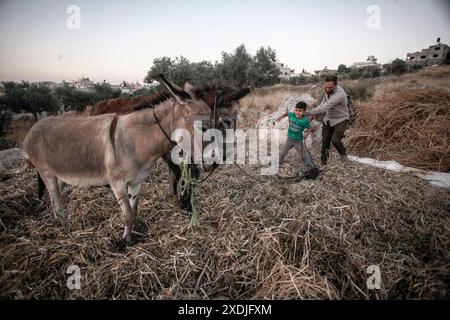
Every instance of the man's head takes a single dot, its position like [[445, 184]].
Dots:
[[330, 84], [300, 109]]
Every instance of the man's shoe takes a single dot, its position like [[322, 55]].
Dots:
[[344, 157]]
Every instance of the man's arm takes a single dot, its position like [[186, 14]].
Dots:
[[306, 133], [326, 105], [308, 129], [282, 116]]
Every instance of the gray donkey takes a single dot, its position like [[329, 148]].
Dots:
[[115, 150]]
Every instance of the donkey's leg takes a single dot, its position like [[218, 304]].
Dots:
[[174, 174], [51, 183], [133, 196], [61, 186], [128, 217]]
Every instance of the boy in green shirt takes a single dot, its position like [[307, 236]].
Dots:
[[297, 124]]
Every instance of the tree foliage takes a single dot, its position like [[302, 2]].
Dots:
[[34, 98], [398, 67], [71, 98], [236, 69], [343, 69], [370, 72], [263, 71], [103, 92]]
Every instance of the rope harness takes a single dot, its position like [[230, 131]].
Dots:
[[187, 185], [187, 181], [160, 127]]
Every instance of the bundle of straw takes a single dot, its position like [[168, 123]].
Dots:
[[409, 126]]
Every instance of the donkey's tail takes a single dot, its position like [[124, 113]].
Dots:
[[41, 186], [29, 165]]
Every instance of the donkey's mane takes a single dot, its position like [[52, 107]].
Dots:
[[152, 101], [128, 105]]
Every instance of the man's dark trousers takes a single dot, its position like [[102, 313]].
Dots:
[[333, 135]]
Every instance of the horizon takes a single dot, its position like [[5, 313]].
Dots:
[[47, 40]]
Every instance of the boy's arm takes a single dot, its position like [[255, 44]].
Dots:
[[282, 116]]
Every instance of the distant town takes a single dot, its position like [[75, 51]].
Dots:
[[87, 85], [434, 55]]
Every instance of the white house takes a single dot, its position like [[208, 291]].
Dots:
[[83, 83], [286, 72], [371, 61]]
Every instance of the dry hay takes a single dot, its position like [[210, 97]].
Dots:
[[409, 126], [427, 78], [278, 239]]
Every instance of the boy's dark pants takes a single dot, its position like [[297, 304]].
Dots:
[[333, 135]]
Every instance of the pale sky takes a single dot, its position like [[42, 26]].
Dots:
[[118, 40]]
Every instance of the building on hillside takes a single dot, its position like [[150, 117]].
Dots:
[[50, 84], [83, 83], [304, 74], [434, 55], [325, 72], [136, 86], [125, 87], [285, 71], [371, 61]]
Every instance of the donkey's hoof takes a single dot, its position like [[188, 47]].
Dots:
[[172, 191], [185, 205], [66, 227], [127, 240]]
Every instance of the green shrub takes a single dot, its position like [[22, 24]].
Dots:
[[361, 91], [5, 119]]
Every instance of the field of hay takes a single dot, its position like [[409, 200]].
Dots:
[[271, 240], [274, 239]]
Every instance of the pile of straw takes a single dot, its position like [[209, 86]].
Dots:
[[275, 239], [409, 126]]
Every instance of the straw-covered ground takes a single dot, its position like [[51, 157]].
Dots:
[[277, 239]]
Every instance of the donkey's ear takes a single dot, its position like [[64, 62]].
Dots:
[[175, 90], [236, 95], [190, 89]]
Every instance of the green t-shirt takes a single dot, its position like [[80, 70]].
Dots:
[[296, 126]]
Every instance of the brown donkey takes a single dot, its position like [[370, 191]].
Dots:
[[108, 149]]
